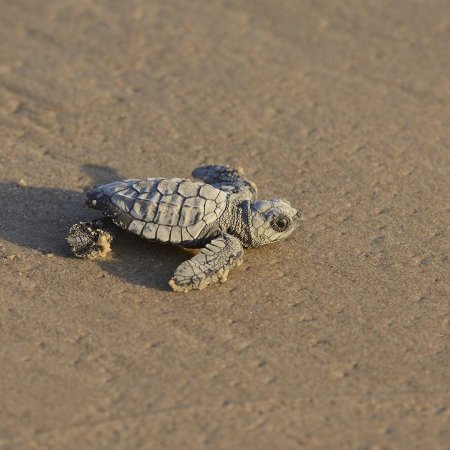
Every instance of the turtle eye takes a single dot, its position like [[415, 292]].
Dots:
[[280, 224]]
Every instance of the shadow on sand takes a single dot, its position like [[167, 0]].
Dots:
[[39, 218]]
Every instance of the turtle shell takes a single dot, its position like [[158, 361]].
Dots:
[[167, 210]]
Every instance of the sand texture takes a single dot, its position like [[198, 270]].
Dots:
[[337, 338]]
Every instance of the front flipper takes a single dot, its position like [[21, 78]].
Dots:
[[227, 179], [209, 266]]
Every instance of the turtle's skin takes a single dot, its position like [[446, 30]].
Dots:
[[219, 215]]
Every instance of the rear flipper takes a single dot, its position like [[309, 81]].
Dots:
[[209, 266], [91, 240]]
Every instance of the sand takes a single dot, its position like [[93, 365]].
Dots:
[[337, 338]]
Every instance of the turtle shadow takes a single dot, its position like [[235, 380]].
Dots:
[[101, 174], [143, 263], [39, 218]]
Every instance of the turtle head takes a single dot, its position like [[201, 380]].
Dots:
[[271, 221]]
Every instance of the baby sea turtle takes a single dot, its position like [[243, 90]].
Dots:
[[221, 216]]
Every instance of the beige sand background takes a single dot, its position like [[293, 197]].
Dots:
[[335, 339]]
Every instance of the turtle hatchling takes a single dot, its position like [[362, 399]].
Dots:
[[220, 216]]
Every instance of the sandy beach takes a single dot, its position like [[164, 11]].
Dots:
[[337, 338]]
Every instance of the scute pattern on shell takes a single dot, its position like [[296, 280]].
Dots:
[[168, 210]]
